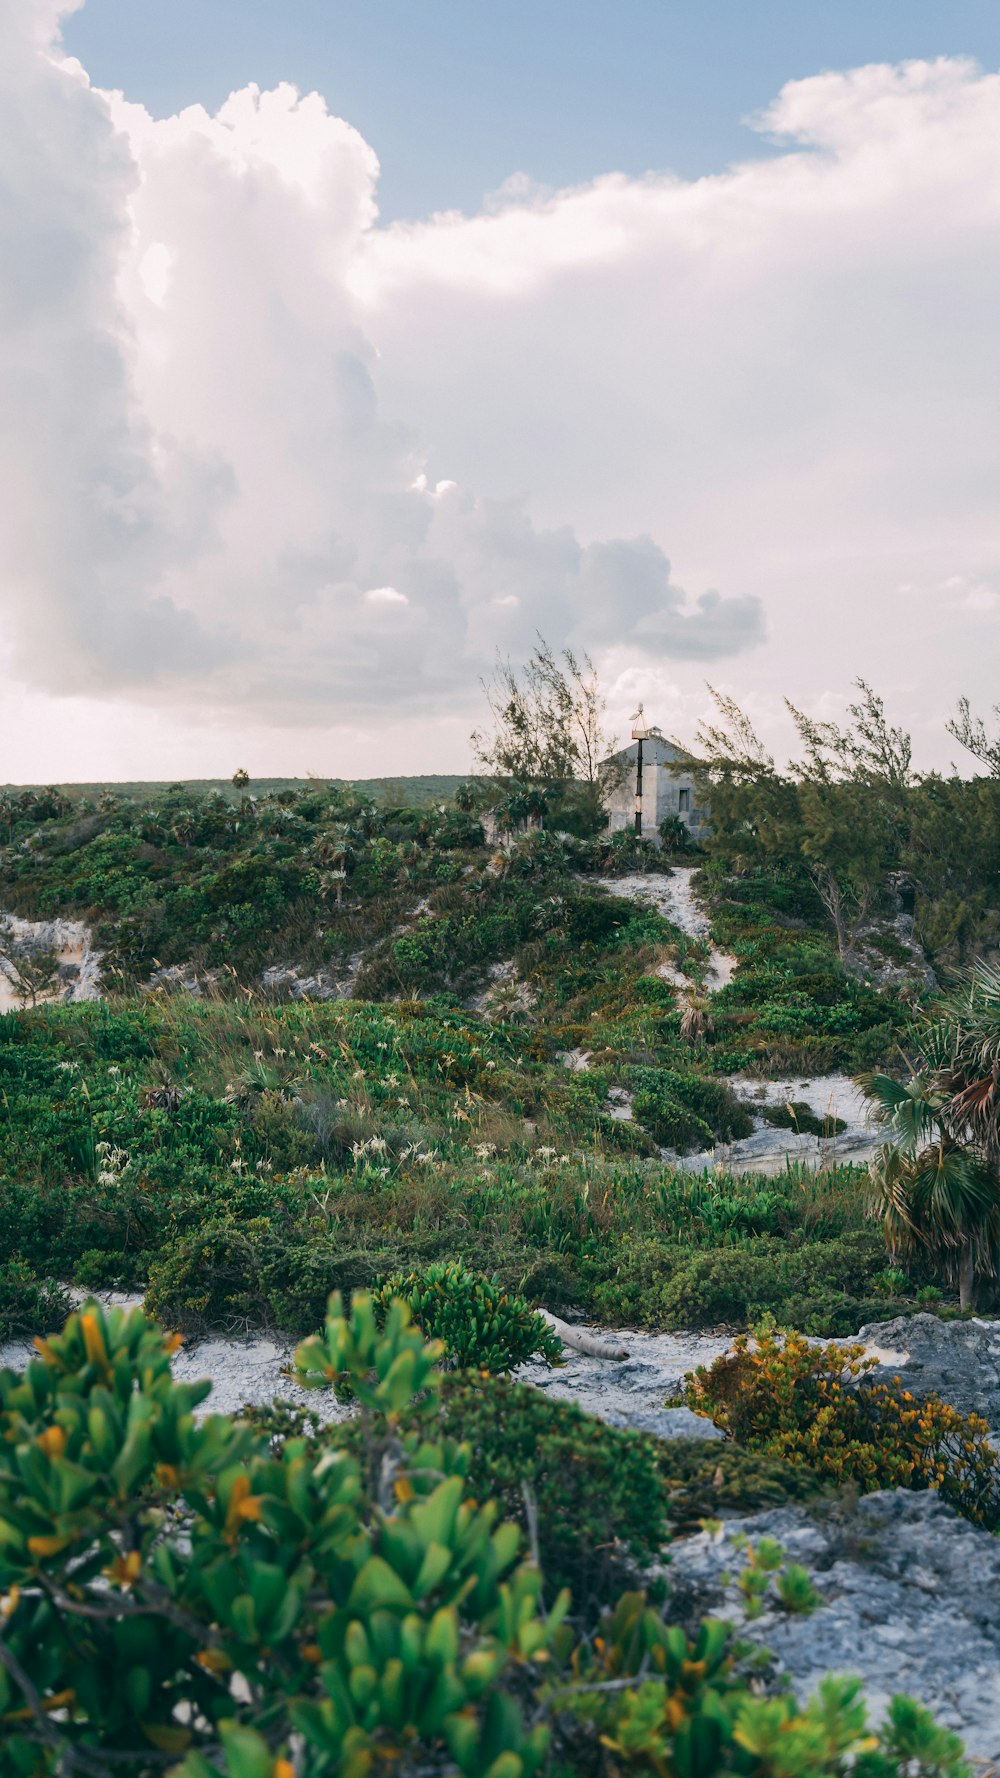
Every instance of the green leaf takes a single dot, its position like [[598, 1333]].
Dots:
[[377, 1585]]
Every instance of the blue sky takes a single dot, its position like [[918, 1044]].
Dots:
[[456, 95]]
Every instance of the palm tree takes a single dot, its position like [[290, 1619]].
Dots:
[[935, 1181], [972, 1070]]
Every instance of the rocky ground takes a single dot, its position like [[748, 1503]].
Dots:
[[673, 897], [768, 1150], [910, 1602], [632, 1391], [911, 1592], [956, 1360], [70, 943]]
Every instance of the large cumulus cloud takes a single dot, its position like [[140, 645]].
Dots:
[[202, 489], [267, 460]]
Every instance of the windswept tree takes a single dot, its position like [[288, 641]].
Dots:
[[841, 808], [753, 806], [853, 785], [971, 733], [547, 743]]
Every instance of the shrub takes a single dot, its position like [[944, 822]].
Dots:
[[687, 1111], [369, 1631], [799, 1116], [233, 1275], [479, 1324], [822, 1287], [816, 1405], [216, 1277], [590, 1496], [603, 1500], [704, 1479], [595, 1490], [683, 1713], [174, 1591], [28, 1303]]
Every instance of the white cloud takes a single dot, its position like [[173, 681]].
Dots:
[[385, 595], [241, 421]]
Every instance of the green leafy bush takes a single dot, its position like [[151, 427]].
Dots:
[[704, 1479], [27, 1303], [359, 1628], [480, 1325], [800, 1117], [687, 1111], [177, 1594], [595, 1497], [824, 1287]]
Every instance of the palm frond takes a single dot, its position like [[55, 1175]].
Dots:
[[908, 1110]]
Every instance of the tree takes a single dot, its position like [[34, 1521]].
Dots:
[[31, 969], [935, 1183], [854, 785], [755, 817], [241, 779], [548, 736], [548, 721], [970, 732], [843, 809]]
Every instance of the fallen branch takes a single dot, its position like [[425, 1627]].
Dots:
[[579, 1339]]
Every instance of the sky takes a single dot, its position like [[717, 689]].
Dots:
[[343, 345]]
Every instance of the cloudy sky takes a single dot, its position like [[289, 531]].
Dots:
[[342, 345]]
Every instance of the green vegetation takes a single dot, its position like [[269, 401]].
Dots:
[[242, 1161], [240, 1154], [349, 1045], [480, 1326], [936, 1181], [598, 1501], [178, 1595], [816, 1405]]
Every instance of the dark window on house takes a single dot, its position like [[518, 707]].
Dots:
[[684, 801]]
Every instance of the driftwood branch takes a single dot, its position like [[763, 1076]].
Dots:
[[580, 1339]]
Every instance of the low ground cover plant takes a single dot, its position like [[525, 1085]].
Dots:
[[304, 1619], [817, 1405]]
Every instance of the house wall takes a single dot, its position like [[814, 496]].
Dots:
[[667, 789]]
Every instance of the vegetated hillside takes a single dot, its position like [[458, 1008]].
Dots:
[[246, 1151], [224, 1134], [405, 791]]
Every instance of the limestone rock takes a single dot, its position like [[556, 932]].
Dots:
[[957, 1360], [911, 1603]]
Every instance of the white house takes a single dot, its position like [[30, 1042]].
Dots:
[[652, 782]]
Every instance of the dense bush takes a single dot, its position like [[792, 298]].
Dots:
[[177, 1593], [705, 1479], [816, 1405], [687, 1111], [824, 1287], [797, 1115], [27, 1303], [590, 1497], [479, 1325]]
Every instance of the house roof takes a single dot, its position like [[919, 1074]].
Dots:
[[655, 745]]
